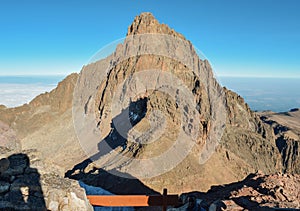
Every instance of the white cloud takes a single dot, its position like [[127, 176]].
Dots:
[[12, 95]]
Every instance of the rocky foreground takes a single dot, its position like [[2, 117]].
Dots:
[[27, 183], [255, 192]]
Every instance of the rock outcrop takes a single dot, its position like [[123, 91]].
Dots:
[[35, 144], [255, 192], [146, 23], [286, 127], [46, 123], [247, 144], [42, 110], [27, 183], [8, 137]]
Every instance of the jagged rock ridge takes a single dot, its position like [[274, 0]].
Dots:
[[247, 143], [46, 123]]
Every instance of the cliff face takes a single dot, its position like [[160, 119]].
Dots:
[[154, 90], [152, 95], [248, 137], [287, 131]]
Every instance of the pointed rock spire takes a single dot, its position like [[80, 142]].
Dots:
[[146, 23]]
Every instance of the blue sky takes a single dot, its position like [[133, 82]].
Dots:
[[239, 37]]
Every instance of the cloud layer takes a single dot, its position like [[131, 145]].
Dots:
[[13, 95]]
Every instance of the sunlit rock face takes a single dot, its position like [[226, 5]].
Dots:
[[155, 94]]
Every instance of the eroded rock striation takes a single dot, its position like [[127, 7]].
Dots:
[[247, 144]]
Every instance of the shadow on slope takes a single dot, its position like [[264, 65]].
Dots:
[[120, 126], [117, 137], [100, 178]]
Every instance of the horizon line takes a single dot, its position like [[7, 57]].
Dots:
[[256, 76], [29, 75], [216, 75]]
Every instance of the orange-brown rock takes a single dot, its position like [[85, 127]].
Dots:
[[247, 143]]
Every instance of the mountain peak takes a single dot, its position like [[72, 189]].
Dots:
[[146, 23]]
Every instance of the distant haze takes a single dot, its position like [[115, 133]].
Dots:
[[18, 90], [274, 94]]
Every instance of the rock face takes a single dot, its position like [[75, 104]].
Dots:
[[45, 123], [35, 144], [147, 24], [24, 187], [247, 144], [255, 192], [286, 127], [42, 110], [168, 96], [248, 137], [8, 137]]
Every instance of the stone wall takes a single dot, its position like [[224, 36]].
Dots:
[[26, 183]]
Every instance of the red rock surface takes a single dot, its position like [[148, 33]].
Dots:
[[256, 192]]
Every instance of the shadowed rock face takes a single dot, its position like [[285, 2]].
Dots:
[[4, 165], [24, 187], [247, 143], [286, 127], [21, 186]]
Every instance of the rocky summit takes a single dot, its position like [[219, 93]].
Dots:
[[153, 113], [131, 85]]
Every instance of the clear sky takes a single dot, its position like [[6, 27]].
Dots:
[[239, 37]]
